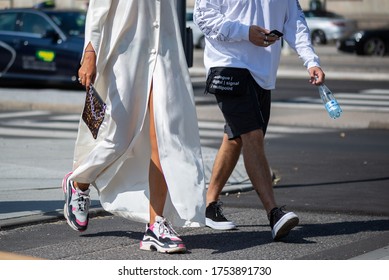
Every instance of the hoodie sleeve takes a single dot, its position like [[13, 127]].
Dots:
[[211, 21], [297, 35]]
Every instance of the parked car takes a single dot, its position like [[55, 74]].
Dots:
[[327, 26], [373, 42], [43, 45], [198, 36]]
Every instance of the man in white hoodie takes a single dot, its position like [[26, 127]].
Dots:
[[242, 56]]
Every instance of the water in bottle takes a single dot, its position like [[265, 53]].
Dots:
[[329, 101]]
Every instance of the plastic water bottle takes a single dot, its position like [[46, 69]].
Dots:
[[330, 102]]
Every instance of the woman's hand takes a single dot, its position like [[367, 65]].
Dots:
[[87, 71]]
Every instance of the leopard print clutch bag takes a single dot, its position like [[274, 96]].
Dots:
[[94, 111]]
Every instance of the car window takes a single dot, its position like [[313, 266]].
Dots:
[[36, 24], [7, 21], [71, 23]]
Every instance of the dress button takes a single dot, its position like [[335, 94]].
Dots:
[[153, 51], [156, 24]]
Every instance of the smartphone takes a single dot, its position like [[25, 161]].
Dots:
[[275, 33]]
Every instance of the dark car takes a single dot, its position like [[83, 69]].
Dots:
[[41, 45], [373, 42]]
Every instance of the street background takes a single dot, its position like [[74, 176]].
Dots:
[[332, 173], [369, 13]]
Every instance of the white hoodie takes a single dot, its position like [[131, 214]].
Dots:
[[226, 24]]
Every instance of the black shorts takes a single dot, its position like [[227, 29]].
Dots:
[[245, 111]]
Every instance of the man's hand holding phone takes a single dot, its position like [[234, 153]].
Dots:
[[263, 37], [275, 32]]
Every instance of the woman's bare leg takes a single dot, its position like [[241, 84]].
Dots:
[[83, 187], [158, 187]]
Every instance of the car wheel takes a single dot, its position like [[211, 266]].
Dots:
[[374, 47], [318, 37]]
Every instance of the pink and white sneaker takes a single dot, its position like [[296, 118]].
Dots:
[[161, 237], [77, 202]]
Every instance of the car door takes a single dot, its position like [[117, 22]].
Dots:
[[33, 47], [8, 50], [46, 52], [38, 48]]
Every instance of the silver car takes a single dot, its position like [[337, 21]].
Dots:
[[327, 26]]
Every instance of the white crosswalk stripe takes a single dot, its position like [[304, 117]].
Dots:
[[38, 124], [44, 124], [372, 99], [211, 132]]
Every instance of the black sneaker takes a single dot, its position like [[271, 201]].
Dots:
[[281, 223], [215, 218]]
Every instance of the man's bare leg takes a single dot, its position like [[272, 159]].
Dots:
[[257, 168], [225, 162]]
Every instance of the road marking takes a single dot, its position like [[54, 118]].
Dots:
[[45, 124], [376, 91], [65, 126], [23, 114], [375, 100], [37, 133]]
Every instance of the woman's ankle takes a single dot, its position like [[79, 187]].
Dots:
[[81, 186]]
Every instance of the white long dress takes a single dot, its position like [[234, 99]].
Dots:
[[138, 45]]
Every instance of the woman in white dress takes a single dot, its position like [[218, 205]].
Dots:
[[146, 160]]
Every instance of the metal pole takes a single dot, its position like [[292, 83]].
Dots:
[[186, 32], [181, 12]]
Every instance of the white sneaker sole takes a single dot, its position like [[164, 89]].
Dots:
[[219, 225], [284, 225], [66, 214], [152, 246]]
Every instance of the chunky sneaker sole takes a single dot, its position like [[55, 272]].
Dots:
[[71, 219], [151, 244], [161, 237], [219, 225], [284, 225], [214, 217]]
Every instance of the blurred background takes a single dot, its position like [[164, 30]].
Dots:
[[333, 172], [368, 13]]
